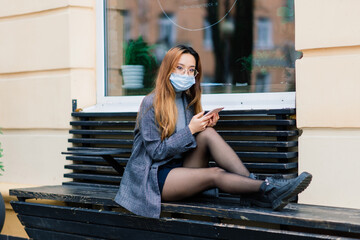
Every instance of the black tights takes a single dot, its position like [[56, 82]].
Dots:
[[195, 176]]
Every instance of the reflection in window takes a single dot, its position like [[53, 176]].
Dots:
[[208, 41], [167, 30], [263, 81], [235, 39], [264, 31], [127, 25]]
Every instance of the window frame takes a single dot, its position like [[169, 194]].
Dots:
[[233, 101]]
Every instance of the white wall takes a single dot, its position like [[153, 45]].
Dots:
[[328, 99], [47, 59]]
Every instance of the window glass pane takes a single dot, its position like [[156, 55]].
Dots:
[[245, 45]]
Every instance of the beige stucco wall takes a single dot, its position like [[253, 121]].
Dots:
[[328, 99], [47, 59]]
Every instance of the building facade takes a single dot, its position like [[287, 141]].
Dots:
[[49, 56]]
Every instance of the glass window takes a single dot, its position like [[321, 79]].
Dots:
[[245, 46]]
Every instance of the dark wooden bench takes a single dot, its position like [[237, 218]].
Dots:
[[266, 140]]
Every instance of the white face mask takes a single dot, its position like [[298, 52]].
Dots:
[[181, 82]]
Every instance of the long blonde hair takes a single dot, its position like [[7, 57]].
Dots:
[[164, 101]]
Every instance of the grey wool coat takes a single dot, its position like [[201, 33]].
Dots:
[[139, 191]]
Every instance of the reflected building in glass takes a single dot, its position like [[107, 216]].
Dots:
[[245, 45]]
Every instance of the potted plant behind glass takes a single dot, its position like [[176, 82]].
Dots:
[[139, 62], [2, 204]]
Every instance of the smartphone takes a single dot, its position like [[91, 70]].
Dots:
[[215, 110]]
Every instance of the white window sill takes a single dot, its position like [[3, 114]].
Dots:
[[244, 101]]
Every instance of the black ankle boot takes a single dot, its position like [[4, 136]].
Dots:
[[280, 191], [255, 199]]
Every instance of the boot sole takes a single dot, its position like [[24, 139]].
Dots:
[[283, 200]]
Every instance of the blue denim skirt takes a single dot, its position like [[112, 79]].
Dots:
[[164, 170]]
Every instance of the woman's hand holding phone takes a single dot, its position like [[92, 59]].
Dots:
[[214, 116], [215, 110], [199, 122]]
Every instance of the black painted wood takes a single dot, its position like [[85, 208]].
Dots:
[[224, 123], [103, 123], [91, 185], [279, 133], [102, 132], [266, 140], [35, 233], [96, 177], [299, 215], [221, 123], [106, 168], [93, 168], [7, 237], [284, 155], [118, 225], [86, 150], [100, 230], [288, 111], [267, 133], [103, 114], [231, 143], [101, 141], [93, 159], [252, 112]]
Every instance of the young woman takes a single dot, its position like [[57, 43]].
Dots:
[[172, 144]]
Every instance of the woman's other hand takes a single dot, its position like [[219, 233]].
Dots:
[[213, 119], [198, 123]]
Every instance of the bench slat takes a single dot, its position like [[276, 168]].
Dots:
[[107, 168], [282, 155], [101, 141], [331, 218], [103, 123], [263, 144], [54, 235], [231, 143], [228, 123], [109, 180], [87, 167], [91, 185], [117, 225], [98, 177], [285, 111], [279, 155], [265, 133], [102, 132], [220, 123], [104, 114], [96, 149], [94, 159], [98, 230]]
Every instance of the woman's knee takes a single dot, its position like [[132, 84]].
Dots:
[[207, 133], [215, 173]]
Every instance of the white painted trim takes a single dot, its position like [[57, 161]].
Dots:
[[244, 101], [100, 51]]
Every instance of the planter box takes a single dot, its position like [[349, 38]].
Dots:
[[133, 76]]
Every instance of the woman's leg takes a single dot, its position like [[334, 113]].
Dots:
[[185, 182], [210, 142]]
